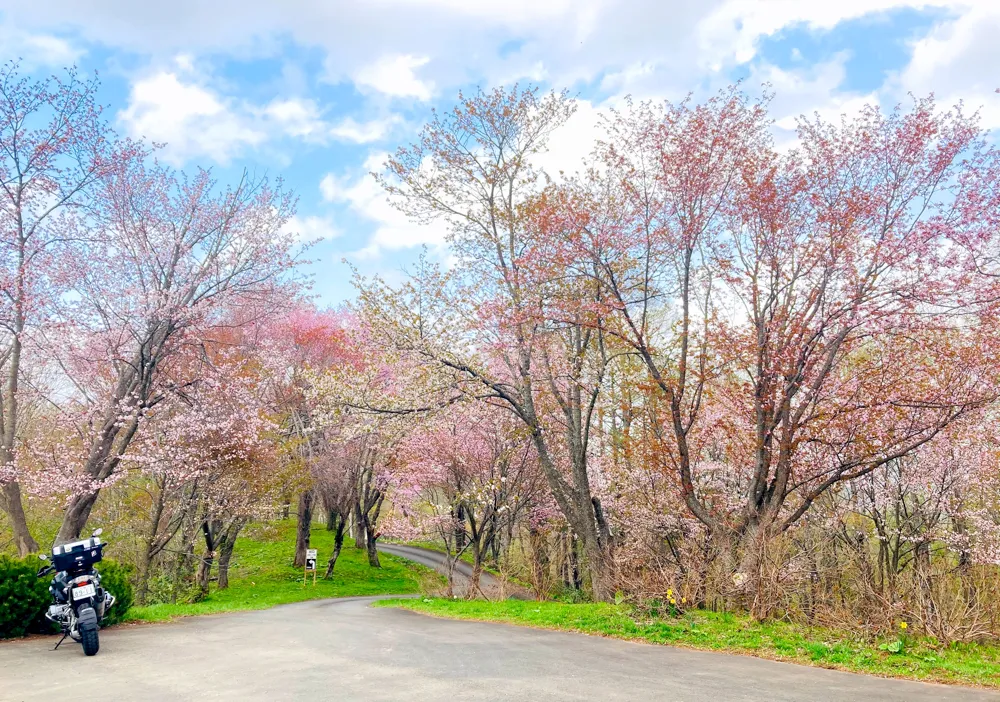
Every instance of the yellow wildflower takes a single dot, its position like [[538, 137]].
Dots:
[[673, 601], [903, 625], [684, 600], [670, 593]]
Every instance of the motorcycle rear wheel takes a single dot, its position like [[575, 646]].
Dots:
[[88, 631]]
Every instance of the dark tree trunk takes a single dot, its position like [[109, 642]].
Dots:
[[226, 546], [76, 516], [11, 501], [210, 530], [372, 551], [359, 527], [225, 554], [304, 524], [369, 521], [459, 528], [107, 449], [338, 540]]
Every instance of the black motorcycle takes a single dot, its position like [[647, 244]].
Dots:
[[80, 602]]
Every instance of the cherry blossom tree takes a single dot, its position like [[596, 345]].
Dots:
[[162, 262], [808, 296], [363, 407], [469, 474], [55, 147], [504, 323], [304, 342]]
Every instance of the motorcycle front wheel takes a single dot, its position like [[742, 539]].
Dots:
[[88, 631]]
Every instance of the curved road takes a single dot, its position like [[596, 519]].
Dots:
[[346, 650], [489, 585]]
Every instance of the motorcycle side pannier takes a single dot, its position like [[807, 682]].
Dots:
[[77, 555]]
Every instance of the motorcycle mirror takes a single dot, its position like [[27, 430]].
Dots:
[[42, 557], [97, 532]]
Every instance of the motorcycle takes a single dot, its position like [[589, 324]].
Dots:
[[79, 601]]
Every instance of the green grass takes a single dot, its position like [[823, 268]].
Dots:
[[261, 576], [968, 664]]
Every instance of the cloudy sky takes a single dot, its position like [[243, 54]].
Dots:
[[318, 90]]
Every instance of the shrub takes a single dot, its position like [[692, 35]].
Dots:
[[115, 578], [23, 597]]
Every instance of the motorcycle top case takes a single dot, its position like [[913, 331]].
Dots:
[[77, 555]]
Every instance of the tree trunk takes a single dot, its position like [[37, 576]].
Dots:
[[372, 550], [599, 571], [226, 547], [15, 510], [370, 538], [573, 571], [10, 496], [75, 517], [358, 527], [304, 525], [539, 563], [145, 567], [932, 619], [338, 542], [185, 558], [477, 571], [459, 515], [211, 534], [225, 555]]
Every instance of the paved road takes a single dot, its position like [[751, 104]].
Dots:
[[346, 650], [489, 586]]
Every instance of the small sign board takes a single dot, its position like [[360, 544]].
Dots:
[[310, 565]]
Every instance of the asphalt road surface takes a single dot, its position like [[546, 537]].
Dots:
[[346, 650]]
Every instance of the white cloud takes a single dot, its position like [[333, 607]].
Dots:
[[733, 31], [177, 108], [38, 50], [349, 129], [311, 228], [191, 119], [958, 60], [366, 198], [296, 117], [395, 76], [419, 48], [574, 141], [809, 90]]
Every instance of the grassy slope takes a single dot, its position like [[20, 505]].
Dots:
[[261, 576], [968, 664]]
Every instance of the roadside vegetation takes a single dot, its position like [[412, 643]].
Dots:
[[262, 576], [901, 656]]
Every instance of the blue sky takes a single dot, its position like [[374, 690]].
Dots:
[[317, 92]]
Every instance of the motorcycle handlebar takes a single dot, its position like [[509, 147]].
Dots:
[[45, 570]]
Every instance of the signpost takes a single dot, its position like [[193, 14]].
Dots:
[[310, 566]]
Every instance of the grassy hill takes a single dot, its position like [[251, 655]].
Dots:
[[261, 575]]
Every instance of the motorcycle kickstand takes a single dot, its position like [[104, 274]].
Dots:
[[61, 640]]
